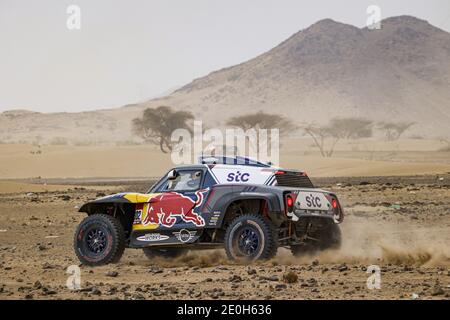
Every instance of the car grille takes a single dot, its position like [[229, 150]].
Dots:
[[293, 179]]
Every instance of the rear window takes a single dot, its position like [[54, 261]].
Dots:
[[293, 179]]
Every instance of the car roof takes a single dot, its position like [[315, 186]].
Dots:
[[233, 160], [191, 166], [230, 166]]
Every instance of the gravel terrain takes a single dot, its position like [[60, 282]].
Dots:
[[401, 224]]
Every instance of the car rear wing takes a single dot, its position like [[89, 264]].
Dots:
[[237, 160], [291, 178]]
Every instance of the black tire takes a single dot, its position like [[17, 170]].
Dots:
[[111, 240], [328, 237], [251, 237], [168, 253]]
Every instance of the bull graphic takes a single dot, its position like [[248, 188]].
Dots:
[[166, 207]]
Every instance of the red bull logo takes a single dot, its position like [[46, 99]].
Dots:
[[165, 208]]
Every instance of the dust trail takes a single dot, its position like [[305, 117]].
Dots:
[[364, 242], [371, 242], [201, 258], [396, 242]]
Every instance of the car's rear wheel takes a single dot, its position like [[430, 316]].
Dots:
[[99, 240], [251, 237], [328, 236], [168, 253]]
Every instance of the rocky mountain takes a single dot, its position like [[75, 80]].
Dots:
[[400, 72]]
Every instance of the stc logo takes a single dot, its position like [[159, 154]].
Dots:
[[238, 177], [313, 201]]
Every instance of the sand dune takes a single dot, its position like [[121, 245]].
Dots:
[[21, 161]]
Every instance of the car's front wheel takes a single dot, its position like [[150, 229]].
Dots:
[[99, 240], [251, 237]]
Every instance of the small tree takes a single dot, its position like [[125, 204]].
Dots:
[[261, 120], [393, 130], [319, 135], [156, 125], [337, 129]]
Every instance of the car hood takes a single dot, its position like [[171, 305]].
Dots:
[[126, 197]]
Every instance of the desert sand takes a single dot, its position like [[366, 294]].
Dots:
[[15, 187], [368, 158]]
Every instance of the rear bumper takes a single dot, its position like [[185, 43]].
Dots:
[[298, 214], [315, 203]]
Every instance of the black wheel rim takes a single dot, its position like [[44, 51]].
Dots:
[[248, 241], [96, 240]]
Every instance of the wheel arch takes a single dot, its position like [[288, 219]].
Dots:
[[268, 202], [123, 211]]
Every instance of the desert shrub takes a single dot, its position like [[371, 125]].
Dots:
[[416, 137], [59, 141], [290, 277], [84, 143], [127, 143]]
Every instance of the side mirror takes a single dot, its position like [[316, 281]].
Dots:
[[172, 175]]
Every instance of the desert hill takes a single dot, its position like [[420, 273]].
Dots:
[[398, 73]]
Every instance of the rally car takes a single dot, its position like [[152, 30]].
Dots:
[[250, 208]]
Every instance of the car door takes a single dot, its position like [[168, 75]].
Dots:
[[178, 203]]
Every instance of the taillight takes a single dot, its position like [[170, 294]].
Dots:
[[334, 203], [289, 203], [337, 209]]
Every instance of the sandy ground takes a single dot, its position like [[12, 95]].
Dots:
[[401, 224], [408, 157], [14, 187], [7, 187]]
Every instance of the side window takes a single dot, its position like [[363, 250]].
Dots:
[[185, 180]]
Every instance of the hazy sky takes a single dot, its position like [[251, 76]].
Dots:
[[129, 51]]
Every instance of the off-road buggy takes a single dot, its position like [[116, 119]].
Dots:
[[249, 207]]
